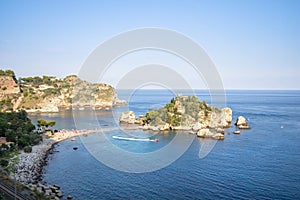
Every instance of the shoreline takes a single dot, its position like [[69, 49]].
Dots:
[[30, 166]]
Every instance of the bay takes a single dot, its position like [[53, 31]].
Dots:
[[260, 163]]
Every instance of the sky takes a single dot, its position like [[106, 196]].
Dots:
[[253, 44]]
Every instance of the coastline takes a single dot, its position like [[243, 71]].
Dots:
[[30, 166]]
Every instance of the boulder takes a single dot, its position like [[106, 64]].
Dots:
[[197, 126], [220, 130], [218, 136], [48, 192], [242, 123], [53, 189], [202, 132], [244, 126], [209, 134], [46, 187], [39, 190], [165, 127], [59, 194], [127, 117], [56, 186]]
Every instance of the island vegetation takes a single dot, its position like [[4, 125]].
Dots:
[[180, 111], [184, 113]]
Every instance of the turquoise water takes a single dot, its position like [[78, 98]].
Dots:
[[260, 163]]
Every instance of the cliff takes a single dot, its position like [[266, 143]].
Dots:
[[51, 94], [182, 113]]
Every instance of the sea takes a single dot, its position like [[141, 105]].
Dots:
[[260, 163]]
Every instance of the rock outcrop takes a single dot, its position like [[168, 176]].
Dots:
[[127, 117], [203, 132], [10, 92], [184, 113], [242, 123], [51, 94]]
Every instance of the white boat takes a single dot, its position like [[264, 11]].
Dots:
[[135, 139]]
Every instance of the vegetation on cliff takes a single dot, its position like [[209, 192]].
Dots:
[[51, 94], [7, 73], [180, 111]]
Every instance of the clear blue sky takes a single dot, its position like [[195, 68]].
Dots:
[[254, 44]]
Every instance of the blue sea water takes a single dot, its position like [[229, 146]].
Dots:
[[260, 163]]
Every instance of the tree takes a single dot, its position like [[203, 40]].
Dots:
[[10, 73], [17, 128], [43, 124], [51, 123]]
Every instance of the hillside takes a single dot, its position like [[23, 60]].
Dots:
[[186, 111], [51, 94]]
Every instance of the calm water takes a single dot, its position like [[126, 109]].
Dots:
[[261, 163]]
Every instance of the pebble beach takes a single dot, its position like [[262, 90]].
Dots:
[[29, 168]]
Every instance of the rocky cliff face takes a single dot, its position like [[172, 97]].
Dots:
[[10, 92], [50, 94]]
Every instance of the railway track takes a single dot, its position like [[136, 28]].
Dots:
[[8, 191]]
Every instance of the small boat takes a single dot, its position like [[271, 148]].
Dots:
[[73, 139], [135, 139], [236, 132], [75, 148]]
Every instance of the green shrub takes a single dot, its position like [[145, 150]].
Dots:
[[7, 73], [3, 163], [28, 149]]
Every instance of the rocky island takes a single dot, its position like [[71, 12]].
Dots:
[[51, 94], [186, 113]]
